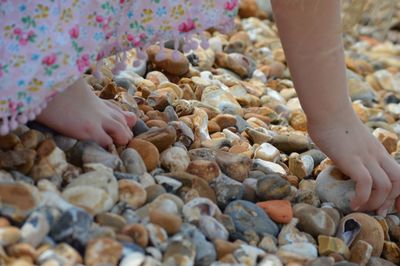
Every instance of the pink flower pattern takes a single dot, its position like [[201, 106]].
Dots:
[[53, 54]]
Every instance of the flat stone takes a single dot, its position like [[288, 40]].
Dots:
[[247, 215], [162, 138], [236, 166], [272, 187]]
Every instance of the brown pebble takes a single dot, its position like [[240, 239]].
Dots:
[[22, 251], [138, 233], [148, 151], [162, 138], [208, 170], [170, 222], [156, 123], [132, 193], [224, 248], [105, 251]]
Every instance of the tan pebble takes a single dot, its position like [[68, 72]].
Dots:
[[103, 251], [387, 138], [328, 245], [8, 142], [208, 170], [22, 251], [111, 220], [153, 191], [4, 222], [213, 127], [9, 235], [385, 227], [391, 252], [148, 151], [225, 120], [138, 233], [68, 252], [132, 193], [156, 123], [170, 222], [298, 120], [162, 138], [293, 180], [22, 160], [157, 101], [224, 248], [22, 262], [360, 252], [370, 231], [236, 166], [175, 159], [203, 189]]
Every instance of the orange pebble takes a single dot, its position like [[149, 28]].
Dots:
[[4, 222], [278, 210]]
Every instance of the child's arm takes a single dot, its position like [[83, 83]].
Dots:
[[310, 32]]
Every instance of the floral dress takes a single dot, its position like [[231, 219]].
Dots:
[[45, 46]]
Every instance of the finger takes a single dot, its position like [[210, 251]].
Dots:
[[117, 131], [392, 169], [381, 187], [397, 204], [130, 118], [382, 211], [361, 176], [118, 116]]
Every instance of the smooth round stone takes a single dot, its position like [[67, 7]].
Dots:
[[290, 234], [202, 154], [236, 166], [180, 252], [92, 199], [317, 155], [280, 211], [208, 170], [360, 226], [73, 227], [376, 261], [222, 100], [9, 235], [103, 251], [248, 216], [171, 185], [169, 221], [205, 250], [361, 252], [162, 138], [93, 153], [139, 128], [175, 159], [268, 167], [272, 187], [158, 236], [18, 200], [289, 143], [333, 186], [132, 193], [112, 220], [154, 191], [133, 259], [212, 229], [314, 220], [269, 244], [267, 152], [359, 89], [227, 190], [198, 207], [133, 162], [301, 251], [38, 225]]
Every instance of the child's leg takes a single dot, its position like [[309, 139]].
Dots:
[[80, 114], [310, 31]]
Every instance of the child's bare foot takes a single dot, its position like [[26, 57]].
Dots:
[[80, 114], [359, 155]]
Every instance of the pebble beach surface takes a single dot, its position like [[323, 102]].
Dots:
[[221, 170]]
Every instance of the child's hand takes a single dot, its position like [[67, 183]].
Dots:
[[359, 155]]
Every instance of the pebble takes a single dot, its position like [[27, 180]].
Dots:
[[9, 235], [391, 252], [18, 200], [208, 170], [272, 187], [313, 220], [361, 252], [333, 186], [267, 152], [236, 166], [248, 216], [299, 252], [175, 159], [73, 227], [103, 251], [328, 245], [132, 193], [177, 67], [360, 226], [93, 153], [290, 234], [162, 138], [170, 222], [280, 211], [133, 162], [227, 190], [212, 228]]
